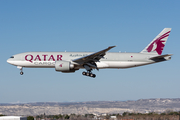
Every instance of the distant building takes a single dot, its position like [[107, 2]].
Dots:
[[104, 114], [13, 118], [113, 117]]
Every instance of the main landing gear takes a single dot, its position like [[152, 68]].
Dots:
[[88, 73], [21, 68]]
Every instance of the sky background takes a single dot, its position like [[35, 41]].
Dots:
[[88, 25]]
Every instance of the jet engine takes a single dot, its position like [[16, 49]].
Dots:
[[64, 66]]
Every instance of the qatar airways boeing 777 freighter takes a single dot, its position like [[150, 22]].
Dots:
[[71, 61]]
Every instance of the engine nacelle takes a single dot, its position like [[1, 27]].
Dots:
[[64, 66]]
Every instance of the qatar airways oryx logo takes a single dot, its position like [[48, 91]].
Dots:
[[158, 44], [60, 65], [32, 58]]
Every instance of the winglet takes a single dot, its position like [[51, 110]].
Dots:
[[110, 47]]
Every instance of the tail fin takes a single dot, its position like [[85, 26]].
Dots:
[[157, 44]]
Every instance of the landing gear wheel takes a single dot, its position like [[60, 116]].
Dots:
[[84, 73], [91, 75], [87, 74], [21, 73], [94, 75]]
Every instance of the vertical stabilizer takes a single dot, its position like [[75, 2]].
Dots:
[[157, 44]]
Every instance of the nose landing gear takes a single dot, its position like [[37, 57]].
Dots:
[[21, 73]]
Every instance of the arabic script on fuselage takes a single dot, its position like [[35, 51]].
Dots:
[[78, 55]]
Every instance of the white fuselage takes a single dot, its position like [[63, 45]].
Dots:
[[110, 60]]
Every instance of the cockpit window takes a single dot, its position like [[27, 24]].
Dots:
[[12, 57]]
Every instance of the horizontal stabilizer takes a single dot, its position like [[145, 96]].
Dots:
[[165, 57]]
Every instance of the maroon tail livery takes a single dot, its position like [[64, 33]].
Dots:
[[158, 43]]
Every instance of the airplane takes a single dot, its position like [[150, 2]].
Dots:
[[68, 62]]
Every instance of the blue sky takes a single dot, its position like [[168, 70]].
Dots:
[[87, 26]]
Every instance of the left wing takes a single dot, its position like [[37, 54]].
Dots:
[[92, 58]]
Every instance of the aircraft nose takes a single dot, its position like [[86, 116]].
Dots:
[[9, 61]]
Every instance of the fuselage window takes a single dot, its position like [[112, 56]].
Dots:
[[12, 57]]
